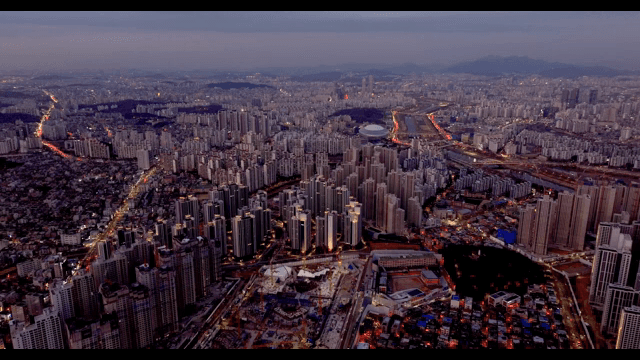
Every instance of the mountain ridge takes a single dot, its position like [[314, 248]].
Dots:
[[523, 65]]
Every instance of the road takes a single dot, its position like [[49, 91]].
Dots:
[[38, 132], [119, 214], [394, 131], [571, 314], [222, 308], [356, 308]]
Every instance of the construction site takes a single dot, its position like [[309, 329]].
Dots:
[[293, 305]]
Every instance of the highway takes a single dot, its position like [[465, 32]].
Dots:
[[394, 131], [38, 132]]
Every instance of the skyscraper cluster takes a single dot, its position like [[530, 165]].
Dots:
[[561, 222], [135, 290], [615, 284]]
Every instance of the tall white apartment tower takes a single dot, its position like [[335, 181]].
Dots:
[[565, 210], [611, 265], [61, 295], [629, 328], [579, 221], [618, 297], [44, 333], [545, 225]]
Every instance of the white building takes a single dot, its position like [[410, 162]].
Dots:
[[629, 329], [44, 333]]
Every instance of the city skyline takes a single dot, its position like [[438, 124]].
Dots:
[[456, 180]]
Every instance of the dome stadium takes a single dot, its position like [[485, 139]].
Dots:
[[374, 131]]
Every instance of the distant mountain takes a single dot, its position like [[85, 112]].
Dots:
[[497, 65], [409, 68], [323, 76], [52, 77], [361, 68]]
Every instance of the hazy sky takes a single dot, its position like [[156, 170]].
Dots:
[[242, 40]]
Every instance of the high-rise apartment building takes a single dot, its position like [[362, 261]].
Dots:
[[381, 205], [605, 204], [114, 269], [161, 283], [565, 212], [143, 311], [392, 205], [44, 333], [181, 260], [144, 159], [545, 225], [84, 294], [618, 297], [116, 301], [61, 297], [103, 333], [352, 230], [526, 225], [579, 221], [629, 328], [611, 265], [242, 230], [332, 230]]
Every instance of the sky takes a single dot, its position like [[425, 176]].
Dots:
[[50, 41]]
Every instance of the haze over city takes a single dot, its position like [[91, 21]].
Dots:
[[246, 40], [319, 180]]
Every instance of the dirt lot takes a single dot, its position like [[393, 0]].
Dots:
[[575, 268], [406, 282]]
